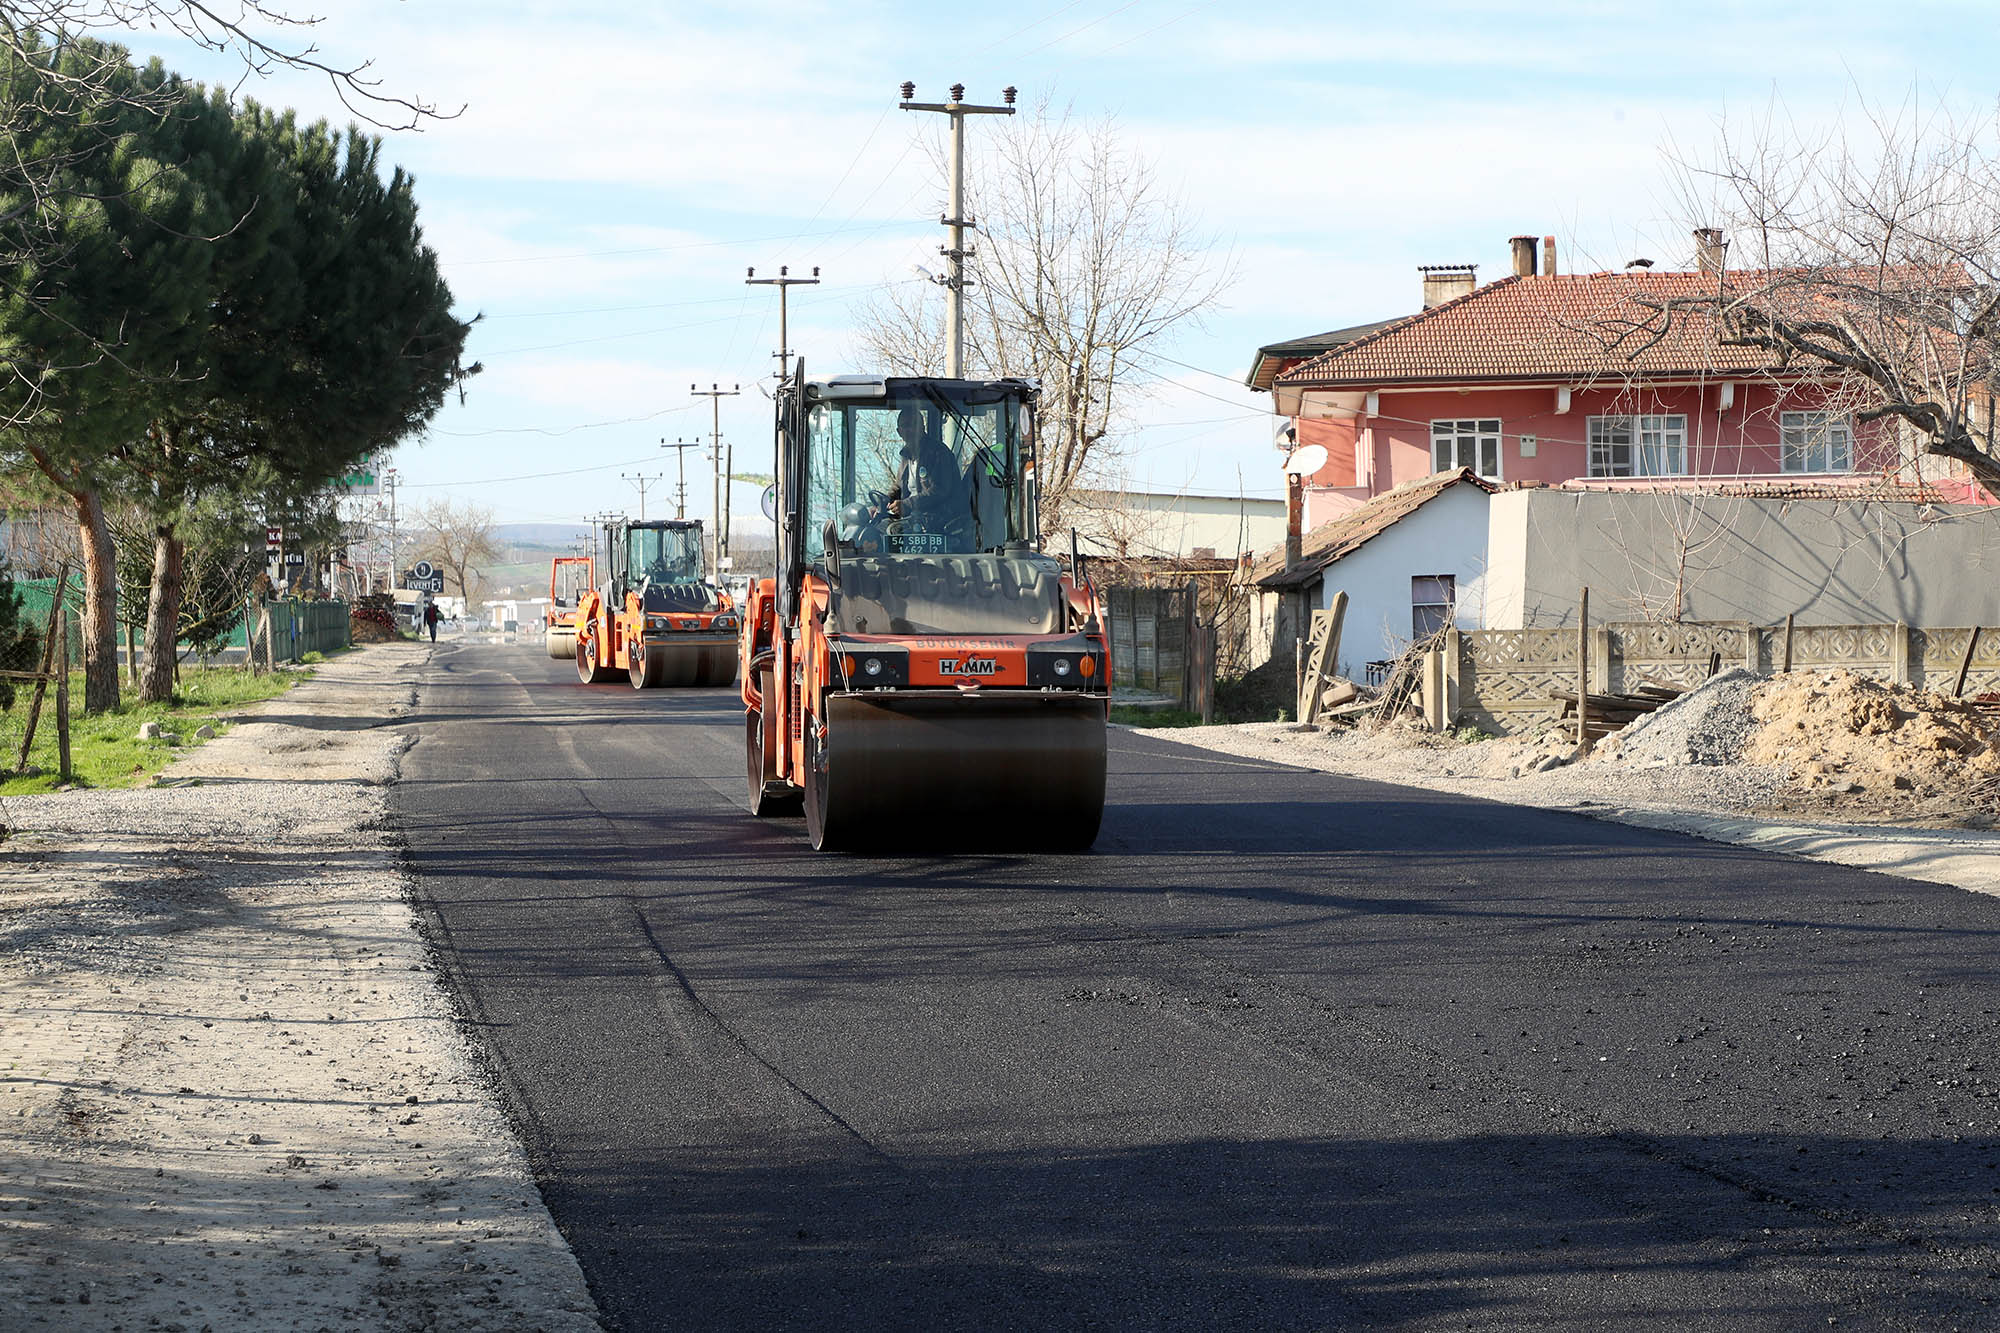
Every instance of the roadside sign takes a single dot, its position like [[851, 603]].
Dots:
[[273, 538], [365, 479], [295, 557], [424, 569], [423, 579]]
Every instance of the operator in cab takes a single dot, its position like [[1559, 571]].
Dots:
[[929, 490]]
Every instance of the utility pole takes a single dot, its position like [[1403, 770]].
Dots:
[[784, 284], [956, 253], [715, 393], [390, 481], [642, 481], [680, 448]]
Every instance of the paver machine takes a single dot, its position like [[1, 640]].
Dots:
[[919, 674], [570, 577], [655, 619]]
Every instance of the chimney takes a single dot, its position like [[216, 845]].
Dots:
[[1524, 255], [1447, 282], [1709, 248], [1295, 505], [1549, 255]]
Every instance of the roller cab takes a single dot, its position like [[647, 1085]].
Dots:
[[656, 619], [570, 577], [920, 676]]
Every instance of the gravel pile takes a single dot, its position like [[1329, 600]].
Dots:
[[1710, 726]]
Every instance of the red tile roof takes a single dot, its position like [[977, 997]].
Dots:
[[1344, 535], [1565, 326]]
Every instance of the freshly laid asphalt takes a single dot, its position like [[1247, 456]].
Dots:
[[1285, 1051]]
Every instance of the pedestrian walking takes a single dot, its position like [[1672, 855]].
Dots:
[[431, 618]]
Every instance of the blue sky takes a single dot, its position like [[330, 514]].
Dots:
[[616, 169]]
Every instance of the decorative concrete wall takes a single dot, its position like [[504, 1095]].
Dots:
[[1504, 679]]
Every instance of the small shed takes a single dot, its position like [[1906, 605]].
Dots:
[[1411, 561]]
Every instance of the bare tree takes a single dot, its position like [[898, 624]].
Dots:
[[1084, 261], [1869, 255], [458, 537]]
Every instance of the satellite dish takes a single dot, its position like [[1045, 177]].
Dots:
[[1306, 460], [1287, 434]]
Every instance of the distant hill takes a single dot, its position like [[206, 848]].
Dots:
[[541, 534]]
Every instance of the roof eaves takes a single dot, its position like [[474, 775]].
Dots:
[[1397, 325]]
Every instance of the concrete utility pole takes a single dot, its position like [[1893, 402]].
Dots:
[[715, 393], [390, 481], [680, 448], [642, 481], [784, 284], [954, 281]]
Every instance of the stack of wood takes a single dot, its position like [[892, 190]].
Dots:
[[1615, 712]]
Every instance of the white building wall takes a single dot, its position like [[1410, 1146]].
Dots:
[[1507, 561], [1446, 536], [1150, 524]]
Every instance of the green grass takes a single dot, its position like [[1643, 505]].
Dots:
[[105, 749], [1154, 717]]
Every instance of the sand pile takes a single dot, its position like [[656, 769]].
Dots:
[[1846, 745], [1837, 732]]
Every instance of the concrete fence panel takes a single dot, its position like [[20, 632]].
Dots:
[[1506, 677]]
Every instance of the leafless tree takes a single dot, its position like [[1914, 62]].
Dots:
[[1869, 254], [263, 38], [1084, 262], [458, 537]]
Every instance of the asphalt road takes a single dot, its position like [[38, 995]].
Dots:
[[1286, 1051]]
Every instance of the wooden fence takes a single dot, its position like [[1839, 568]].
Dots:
[[1501, 680]]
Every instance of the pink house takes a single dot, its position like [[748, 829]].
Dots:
[[1574, 379]]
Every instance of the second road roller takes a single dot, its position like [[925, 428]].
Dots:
[[655, 619], [920, 674]]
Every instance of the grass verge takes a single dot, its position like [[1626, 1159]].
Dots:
[[105, 749], [1154, 717]]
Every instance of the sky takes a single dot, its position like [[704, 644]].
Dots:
[[609, 173]]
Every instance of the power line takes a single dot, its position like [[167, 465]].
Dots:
[[529, 476], [566, 430]]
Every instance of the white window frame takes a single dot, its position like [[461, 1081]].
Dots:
[[1449, 606], [1476, 437], [1653, 442], [1806, 438]]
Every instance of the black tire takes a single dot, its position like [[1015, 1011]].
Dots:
[[647, 669], [818, 793], [768, 798], [588, 672]]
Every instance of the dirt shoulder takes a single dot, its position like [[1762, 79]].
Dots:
[[233, 1094], [1731, 802]]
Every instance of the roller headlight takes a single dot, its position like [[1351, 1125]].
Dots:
[[872, 667], [725, 621], [1060, 666]]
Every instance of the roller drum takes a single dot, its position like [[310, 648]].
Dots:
[[561, 643], [709, 662], [955, 772]]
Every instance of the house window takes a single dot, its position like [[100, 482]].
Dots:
[[1474, 444], [1654, 446], [1432, 597], [1816, 442]]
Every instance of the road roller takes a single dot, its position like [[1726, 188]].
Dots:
[[570, 576], [919, 674], [655, 619]]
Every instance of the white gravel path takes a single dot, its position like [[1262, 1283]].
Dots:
[[232, 1092]]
